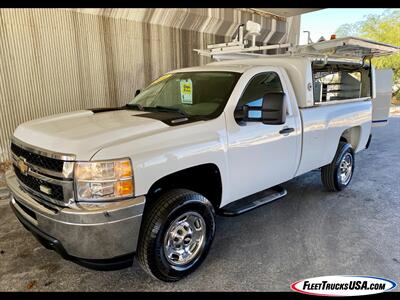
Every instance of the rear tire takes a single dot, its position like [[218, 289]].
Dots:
[[177, 231], [338, 174]]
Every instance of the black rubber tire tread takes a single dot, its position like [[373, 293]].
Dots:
[[157, 212], [329, 172]]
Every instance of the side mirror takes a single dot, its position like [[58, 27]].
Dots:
[[137, 92], [242, 115], [273, 109]]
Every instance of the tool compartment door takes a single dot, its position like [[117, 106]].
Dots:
[[351, 47], [382, 96]]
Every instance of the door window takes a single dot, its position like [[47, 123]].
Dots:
[[258, 86]]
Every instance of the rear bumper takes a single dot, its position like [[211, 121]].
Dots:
[[99, 236]]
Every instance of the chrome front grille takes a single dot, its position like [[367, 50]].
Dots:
[[48, 163], [46, 175]]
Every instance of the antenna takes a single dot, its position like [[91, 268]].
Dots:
[[239, 34], [309, 41]]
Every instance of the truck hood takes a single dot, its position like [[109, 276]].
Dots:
[[83, 133]]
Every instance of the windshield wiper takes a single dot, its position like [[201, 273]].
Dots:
[[135, 106], [170, 109], [157, 108]]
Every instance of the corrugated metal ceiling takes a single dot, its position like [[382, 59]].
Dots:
[[287, 12]]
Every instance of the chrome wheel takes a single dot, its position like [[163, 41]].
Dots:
[[346, 169], [185, 239]]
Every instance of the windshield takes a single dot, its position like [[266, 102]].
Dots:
[[201, 94]]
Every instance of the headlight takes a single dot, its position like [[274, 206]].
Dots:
[[104, 180]]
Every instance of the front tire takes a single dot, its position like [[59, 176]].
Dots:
[[176, 234], [338, 174]]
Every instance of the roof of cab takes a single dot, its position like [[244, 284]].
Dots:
[[242, 65], [259, 61]]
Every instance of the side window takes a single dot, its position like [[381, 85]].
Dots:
[[258, 86]]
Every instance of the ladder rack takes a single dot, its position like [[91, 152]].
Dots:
[[239, 43], [343, 48]]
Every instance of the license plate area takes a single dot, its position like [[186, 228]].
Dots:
[[27, 210]]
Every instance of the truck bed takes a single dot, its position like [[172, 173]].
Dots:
[[324, 125]]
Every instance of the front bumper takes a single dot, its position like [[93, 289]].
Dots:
[[106, 232]]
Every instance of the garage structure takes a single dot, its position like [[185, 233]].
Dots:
[[59, 60]]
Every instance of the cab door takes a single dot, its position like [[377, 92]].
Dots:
[[261, 155], [382, 95]]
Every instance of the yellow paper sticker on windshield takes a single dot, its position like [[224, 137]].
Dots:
[[161, 78], [186, 91]]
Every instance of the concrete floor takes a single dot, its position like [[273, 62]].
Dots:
[[308, 233]]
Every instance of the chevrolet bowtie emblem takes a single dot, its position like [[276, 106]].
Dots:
[[22, 166]]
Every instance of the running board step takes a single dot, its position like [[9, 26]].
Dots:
[[253, 201]]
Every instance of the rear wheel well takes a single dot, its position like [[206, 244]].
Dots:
[[352, 136], [204, 179]]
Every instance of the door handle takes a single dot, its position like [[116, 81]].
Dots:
[[286, 130]]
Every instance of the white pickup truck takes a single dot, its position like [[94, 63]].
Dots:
[[101, 185]]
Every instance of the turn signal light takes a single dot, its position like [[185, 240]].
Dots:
[[124, 188]]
